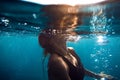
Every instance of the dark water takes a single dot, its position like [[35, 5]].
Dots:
[[21, 56]]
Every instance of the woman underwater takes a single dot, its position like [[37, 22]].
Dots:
[[64, 63]]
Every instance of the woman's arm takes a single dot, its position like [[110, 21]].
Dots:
[[98, 76], [92, 74]]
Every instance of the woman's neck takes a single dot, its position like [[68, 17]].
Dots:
[[58, 49]]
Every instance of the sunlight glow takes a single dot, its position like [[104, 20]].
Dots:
[[69, 2], [100, 39]]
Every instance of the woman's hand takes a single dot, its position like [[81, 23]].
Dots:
[[109, 77]]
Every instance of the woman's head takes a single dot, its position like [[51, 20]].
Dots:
[[52, 41], [55, 41], [43, 40], [62, 20], [61, 16]]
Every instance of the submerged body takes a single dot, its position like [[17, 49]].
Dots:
[[61, 68], [64, 64]]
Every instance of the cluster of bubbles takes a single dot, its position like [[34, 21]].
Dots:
[[100, 27], [100, 24], [4, 21], [8, 26], [101, 58]]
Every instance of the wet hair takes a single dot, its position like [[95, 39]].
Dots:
[[61, 16], [47, 38], [44, 40]]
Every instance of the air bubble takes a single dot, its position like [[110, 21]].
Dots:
[[110, 55], [25, 23], [34, 16], [116, 66], [19, 23], [96, 60], [113, 32], [4, 21]]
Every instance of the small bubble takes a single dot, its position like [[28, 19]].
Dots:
[[116, 66], [25, 23], [7, 33], [110, 55], [96, 67], [34, 16], [96, 60], [19, 23], [23, 31], [37, 27], [4, 21], [106, 61], [54, 31], [105, 66], [113, 32], [112, 17], [109, 20], [92, 55]]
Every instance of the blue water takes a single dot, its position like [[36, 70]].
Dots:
[[21, 57]]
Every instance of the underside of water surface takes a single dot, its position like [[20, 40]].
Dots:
[[21, 56]]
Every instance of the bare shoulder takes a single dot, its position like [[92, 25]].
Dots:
[[57, 68], [71, 49], [57, 62]]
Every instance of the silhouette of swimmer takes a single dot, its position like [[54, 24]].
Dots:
[[64, 63]]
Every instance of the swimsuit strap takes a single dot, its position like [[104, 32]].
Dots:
[[76, 56], [69, 62]]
